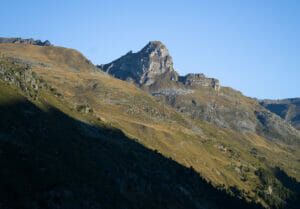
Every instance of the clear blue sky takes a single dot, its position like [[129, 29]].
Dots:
[[252, 46]]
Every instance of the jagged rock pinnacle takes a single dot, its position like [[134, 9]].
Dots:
[[142, 67]]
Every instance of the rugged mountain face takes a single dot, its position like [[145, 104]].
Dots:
[[56, 100], [197, 96], [151, 63], [287, 109], [142, 67], [25, 41]]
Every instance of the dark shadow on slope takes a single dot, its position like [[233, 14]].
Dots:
[[279, 109], [277, 189], [286, 180], [291, 184], [50, 160]]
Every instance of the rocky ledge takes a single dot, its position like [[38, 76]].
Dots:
[[24, 41], [199, 80]]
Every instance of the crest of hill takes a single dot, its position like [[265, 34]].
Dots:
[[25, 41], [51, 57]]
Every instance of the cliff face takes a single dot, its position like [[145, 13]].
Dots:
[[24, 41], [155, 61]]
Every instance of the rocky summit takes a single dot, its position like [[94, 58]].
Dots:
[[153, 62], [24, 41], [142, 67]]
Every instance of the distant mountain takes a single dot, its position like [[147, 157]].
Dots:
[[287, 109], [197, 96], [25, 41]]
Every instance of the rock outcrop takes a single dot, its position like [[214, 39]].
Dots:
[[153, 62], [25, 79], [24, 41], [20, 76], [199, 80]]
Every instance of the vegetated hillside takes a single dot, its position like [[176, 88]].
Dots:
[[52, 160], [287, 109], [197, 96], [227, 158]]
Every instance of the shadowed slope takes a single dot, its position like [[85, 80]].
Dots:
[[50, 160]]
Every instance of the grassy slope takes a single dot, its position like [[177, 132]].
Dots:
[[222, 156], [64, 59], [51, 160]]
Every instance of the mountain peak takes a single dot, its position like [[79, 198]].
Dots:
[[142, 67], [155, 48], [150, 63], [155, 44]]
